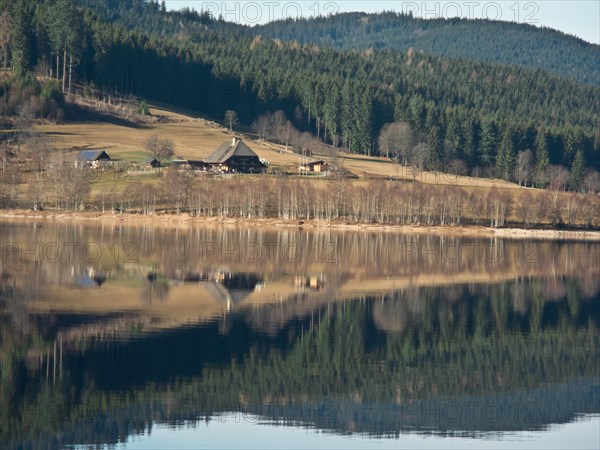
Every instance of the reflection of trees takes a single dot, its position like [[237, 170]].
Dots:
[[375, 255], [155, 289], [475, 347]]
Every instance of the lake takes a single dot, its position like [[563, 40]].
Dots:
[[134, 337]]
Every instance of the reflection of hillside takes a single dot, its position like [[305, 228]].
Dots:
[[152, 306], [334, 371], [390, 327]]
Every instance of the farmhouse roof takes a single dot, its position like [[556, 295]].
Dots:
[[92, 155], [314, 163], [229, 149]]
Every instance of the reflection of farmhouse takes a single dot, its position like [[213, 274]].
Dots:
[[312, 282], [92, 158], [235, 156]]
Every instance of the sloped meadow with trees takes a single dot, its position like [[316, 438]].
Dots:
[[433, 113]]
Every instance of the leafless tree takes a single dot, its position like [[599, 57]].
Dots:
[[540, 208], [73, 186], [10, 178], [419, 155], [591, 181], [261, 126], [173, 188], [571, 208], [142, 197], [177, 187], [589, 210], [231, 118], [524, 167], [36, 151], [396, 139], [525, 208], [499, 204], [457, 167], [277, 128], [305, 143], [160, 148], [559, 177]]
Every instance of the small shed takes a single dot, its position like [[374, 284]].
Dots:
[[315, 166], [152, 164]]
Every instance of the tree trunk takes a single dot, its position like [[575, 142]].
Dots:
[[64, 77], [57, 66], [70, 73]]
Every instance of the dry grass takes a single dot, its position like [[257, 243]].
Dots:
[[196, 138]]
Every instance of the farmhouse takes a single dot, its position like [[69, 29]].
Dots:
[[235, 156], [92, 158]]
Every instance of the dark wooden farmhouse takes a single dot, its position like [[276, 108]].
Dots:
[[92, 158], [235, 156]]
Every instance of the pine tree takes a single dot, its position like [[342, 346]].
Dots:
[[362, 116], [489, 143], [347, 115], [435, 142], [417, 113], [506, 155], [577, 172], [542, 158], [23, 39], [401, 111]]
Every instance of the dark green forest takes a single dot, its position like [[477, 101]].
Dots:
[[480, 40], [473, 116]]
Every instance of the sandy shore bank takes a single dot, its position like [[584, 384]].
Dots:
[[185, 221]]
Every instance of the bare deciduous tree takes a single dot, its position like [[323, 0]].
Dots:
[[525, 208], [591, 182], [160, 148], [559, 177], [261, 126], [231, 118], [524, 168], [499, 204], [396, 139], [419, 155]]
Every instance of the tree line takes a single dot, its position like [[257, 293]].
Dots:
[[63, 186]]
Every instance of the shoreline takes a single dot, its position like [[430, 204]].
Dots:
[[184, 220]]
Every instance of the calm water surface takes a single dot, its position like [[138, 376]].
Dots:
[[130, 337]]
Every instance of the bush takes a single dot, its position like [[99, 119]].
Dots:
[[52, 91], [90, 90], [144, 109]]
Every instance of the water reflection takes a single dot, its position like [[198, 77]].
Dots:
[[375, 334]]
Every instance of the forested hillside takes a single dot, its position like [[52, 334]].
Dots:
[[480, 40], [473, 117]]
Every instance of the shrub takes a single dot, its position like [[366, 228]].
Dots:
[[144, 109]]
